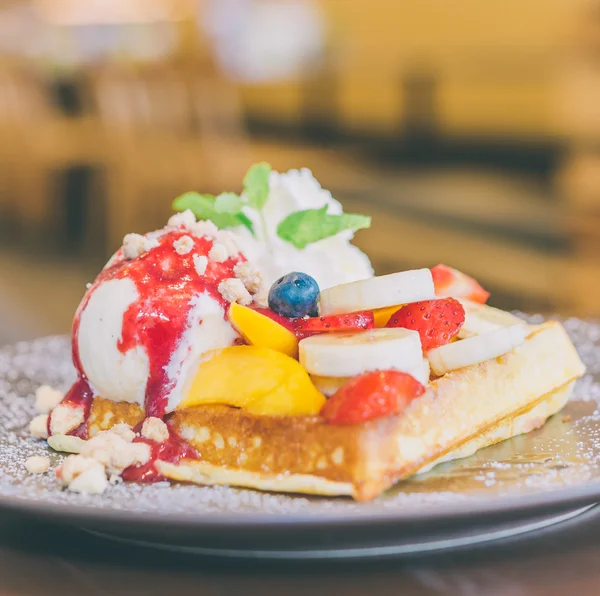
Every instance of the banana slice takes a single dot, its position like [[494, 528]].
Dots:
[[377, 292], [349, 354], [329, 385], [480, 318], [423, 375], [473, 350]]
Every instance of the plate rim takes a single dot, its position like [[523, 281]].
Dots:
[[375, 551], [474, 509]]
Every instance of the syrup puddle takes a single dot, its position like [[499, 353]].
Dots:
[[552, 457]]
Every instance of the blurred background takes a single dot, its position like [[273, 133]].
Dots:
[[469, 130]]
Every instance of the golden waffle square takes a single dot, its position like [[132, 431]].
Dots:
[[461, 412]]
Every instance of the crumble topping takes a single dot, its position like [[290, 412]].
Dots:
[[99, 460], [124, 431], [38, 427], [46, 399], [105, 455], [183, 245], [82, 475], [114, 452], [91, 482], [66, 418], [73, 466], [37, 464], [233, 290], [218, 253], [228, 240], [262, 297], [185, 219], [135, 245], [155, 430], [200, 263], [204, 229], [249, 276]]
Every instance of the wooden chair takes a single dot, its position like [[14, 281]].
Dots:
[[24, 113], [161, 138], [36, 142]]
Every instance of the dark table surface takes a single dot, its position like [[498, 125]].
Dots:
[[40, 559]]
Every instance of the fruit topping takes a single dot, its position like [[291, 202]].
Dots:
[[377, 292], [259, 329], [473, 350], [359, 321], [329, 385], [451, 282], [437, 321], [481, 319], [372, 395], [382, 315], [256, 379], [294, 295], [350, 354], [267, 312]]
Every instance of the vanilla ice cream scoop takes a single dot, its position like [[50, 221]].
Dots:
[[143, 325]]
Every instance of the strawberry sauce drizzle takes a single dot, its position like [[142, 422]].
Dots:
[[166, 283], [80, 394], [173, 450]]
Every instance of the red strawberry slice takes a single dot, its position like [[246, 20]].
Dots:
[[437, 321], [372, 395], [358, 321], [451, 282]]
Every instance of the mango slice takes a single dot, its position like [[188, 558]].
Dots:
[[383, 315], [260, 380], [261, 331]]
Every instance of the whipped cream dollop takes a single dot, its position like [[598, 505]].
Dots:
[[331, 261]]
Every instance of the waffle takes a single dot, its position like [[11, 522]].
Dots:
[[461, 412]]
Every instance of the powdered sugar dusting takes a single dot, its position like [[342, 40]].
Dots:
[[565, 452]]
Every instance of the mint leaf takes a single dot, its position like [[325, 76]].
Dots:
[[228, 202], [302, 228], [246, 222], [204, 206], [256, 185]]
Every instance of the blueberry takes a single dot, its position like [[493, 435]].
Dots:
[[294, 295]]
